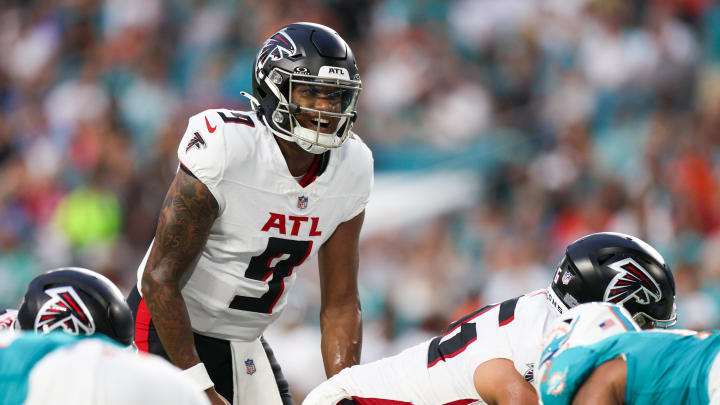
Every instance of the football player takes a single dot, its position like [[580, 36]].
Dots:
[[76, 301], [598, 355], [488, 355], [76, 348], [256, 194]]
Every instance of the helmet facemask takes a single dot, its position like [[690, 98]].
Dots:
[[324, 129], [646, 321]]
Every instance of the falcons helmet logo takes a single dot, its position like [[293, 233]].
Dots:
[[631, 282], [64, 310], [275, 48]]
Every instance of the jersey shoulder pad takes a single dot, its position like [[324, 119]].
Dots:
[[492, 338], [237, 119], [583, 325], [210, 138], [359, 152], [358, 159], [595, 321], [241, 131]]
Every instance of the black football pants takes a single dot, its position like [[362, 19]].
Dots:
[[214, 353]]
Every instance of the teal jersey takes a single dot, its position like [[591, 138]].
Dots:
[[663, 367], [18, 355]]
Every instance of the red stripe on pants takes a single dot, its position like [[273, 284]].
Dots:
[[142, 326]]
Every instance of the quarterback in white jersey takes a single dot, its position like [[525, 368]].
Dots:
[[488, 355], [241, 278], [257, 193]]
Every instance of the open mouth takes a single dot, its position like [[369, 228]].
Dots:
[[321, 122]]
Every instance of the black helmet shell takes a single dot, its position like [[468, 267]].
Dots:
[[620, 269], [77, 301]]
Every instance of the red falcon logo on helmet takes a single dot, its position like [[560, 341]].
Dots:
[[631, 282], [276, 47], [64, 310]]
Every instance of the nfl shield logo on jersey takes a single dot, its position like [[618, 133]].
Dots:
[[250, 366], [302, 202]]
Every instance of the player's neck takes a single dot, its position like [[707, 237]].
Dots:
[[298, 161]]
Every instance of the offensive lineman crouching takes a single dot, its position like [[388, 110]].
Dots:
[[487, 356]]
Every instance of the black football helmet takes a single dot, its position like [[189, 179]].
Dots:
[[310, 55], [620, 269], [77, 301]]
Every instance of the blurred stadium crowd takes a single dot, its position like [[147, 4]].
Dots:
[[578, 116]]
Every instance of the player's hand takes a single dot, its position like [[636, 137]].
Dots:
[[215, 398]]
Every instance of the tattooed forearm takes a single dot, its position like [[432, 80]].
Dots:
[[186, 217]]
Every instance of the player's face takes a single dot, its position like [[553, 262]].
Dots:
[[323, 98]]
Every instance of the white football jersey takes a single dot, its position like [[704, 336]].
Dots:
[[94, 372], [599, 320], [267, 225], [440, 371]]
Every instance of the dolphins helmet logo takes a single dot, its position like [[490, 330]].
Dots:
[[277, 47], [631, 282], [64, 310]]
